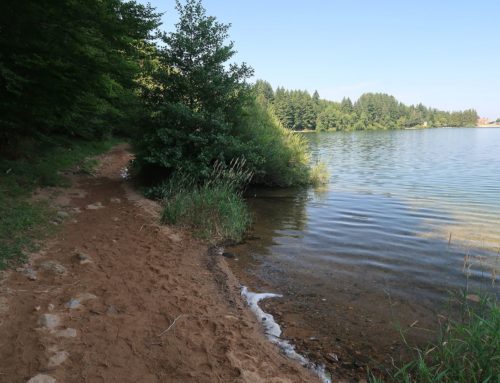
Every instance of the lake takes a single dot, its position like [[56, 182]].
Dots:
[[406, 218]]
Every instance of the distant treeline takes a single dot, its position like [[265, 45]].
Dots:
[[298, 110]]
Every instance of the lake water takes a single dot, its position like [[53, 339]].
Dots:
[[407, 217]]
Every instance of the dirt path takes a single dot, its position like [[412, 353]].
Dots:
[[114, 297]]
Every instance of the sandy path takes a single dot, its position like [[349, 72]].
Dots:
[[129, 279]]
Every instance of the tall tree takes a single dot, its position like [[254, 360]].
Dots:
[[198, 98], [69, 67]]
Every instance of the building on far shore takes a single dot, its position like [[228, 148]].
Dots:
[[483, 121]]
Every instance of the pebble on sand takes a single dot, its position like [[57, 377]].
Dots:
[[66, 333], [41, 378], [50, 321], [95, 206], [54, 267], [57, 359]]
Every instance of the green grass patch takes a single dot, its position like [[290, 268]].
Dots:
[[36, 164], [466, 351], [215, 213], [215, 210]]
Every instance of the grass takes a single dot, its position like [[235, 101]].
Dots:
[[215, 210], [36, 163], [466, 351]]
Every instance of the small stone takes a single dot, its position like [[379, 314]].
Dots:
[[228, 255], [83, 258], [112, 310], [82, 297], [332, 357], [50, 307], [54, 267], [62, 214], [115, 200], [57, 359], [66, 333], [72, 304], [28, 272], [95, 206], [50, 321], [38, 308], [41, 378]]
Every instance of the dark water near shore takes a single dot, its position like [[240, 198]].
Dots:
[[384, 242]]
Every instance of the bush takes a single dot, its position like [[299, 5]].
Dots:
[[277, 156]]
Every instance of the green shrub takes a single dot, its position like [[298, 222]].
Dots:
[[277, 156]]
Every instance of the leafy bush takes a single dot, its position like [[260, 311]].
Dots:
[[202, 112], [277, 156]]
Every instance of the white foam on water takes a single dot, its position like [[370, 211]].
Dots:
[[273, 332]]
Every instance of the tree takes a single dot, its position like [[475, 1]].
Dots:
[[69, 67], [198, 100]]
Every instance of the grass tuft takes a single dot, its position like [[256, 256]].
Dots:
[[466, 351], [215, 211]]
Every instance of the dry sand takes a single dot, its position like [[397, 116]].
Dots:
[[128, 300]]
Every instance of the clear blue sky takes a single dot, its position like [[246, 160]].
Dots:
[[443, 53]]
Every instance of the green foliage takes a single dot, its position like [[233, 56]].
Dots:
[[215, 211], [22, 221], [203, 112], [69, 67], [297, 110], [467, 350], [195, 101], [319, 174], [275, 155]]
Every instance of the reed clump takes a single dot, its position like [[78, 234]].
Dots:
[[214, 210]]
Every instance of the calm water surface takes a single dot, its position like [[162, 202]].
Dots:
[[398, 216]]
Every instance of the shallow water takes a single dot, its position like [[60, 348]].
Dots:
[[391, 230]]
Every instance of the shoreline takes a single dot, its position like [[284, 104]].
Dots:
[[118, 297]]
